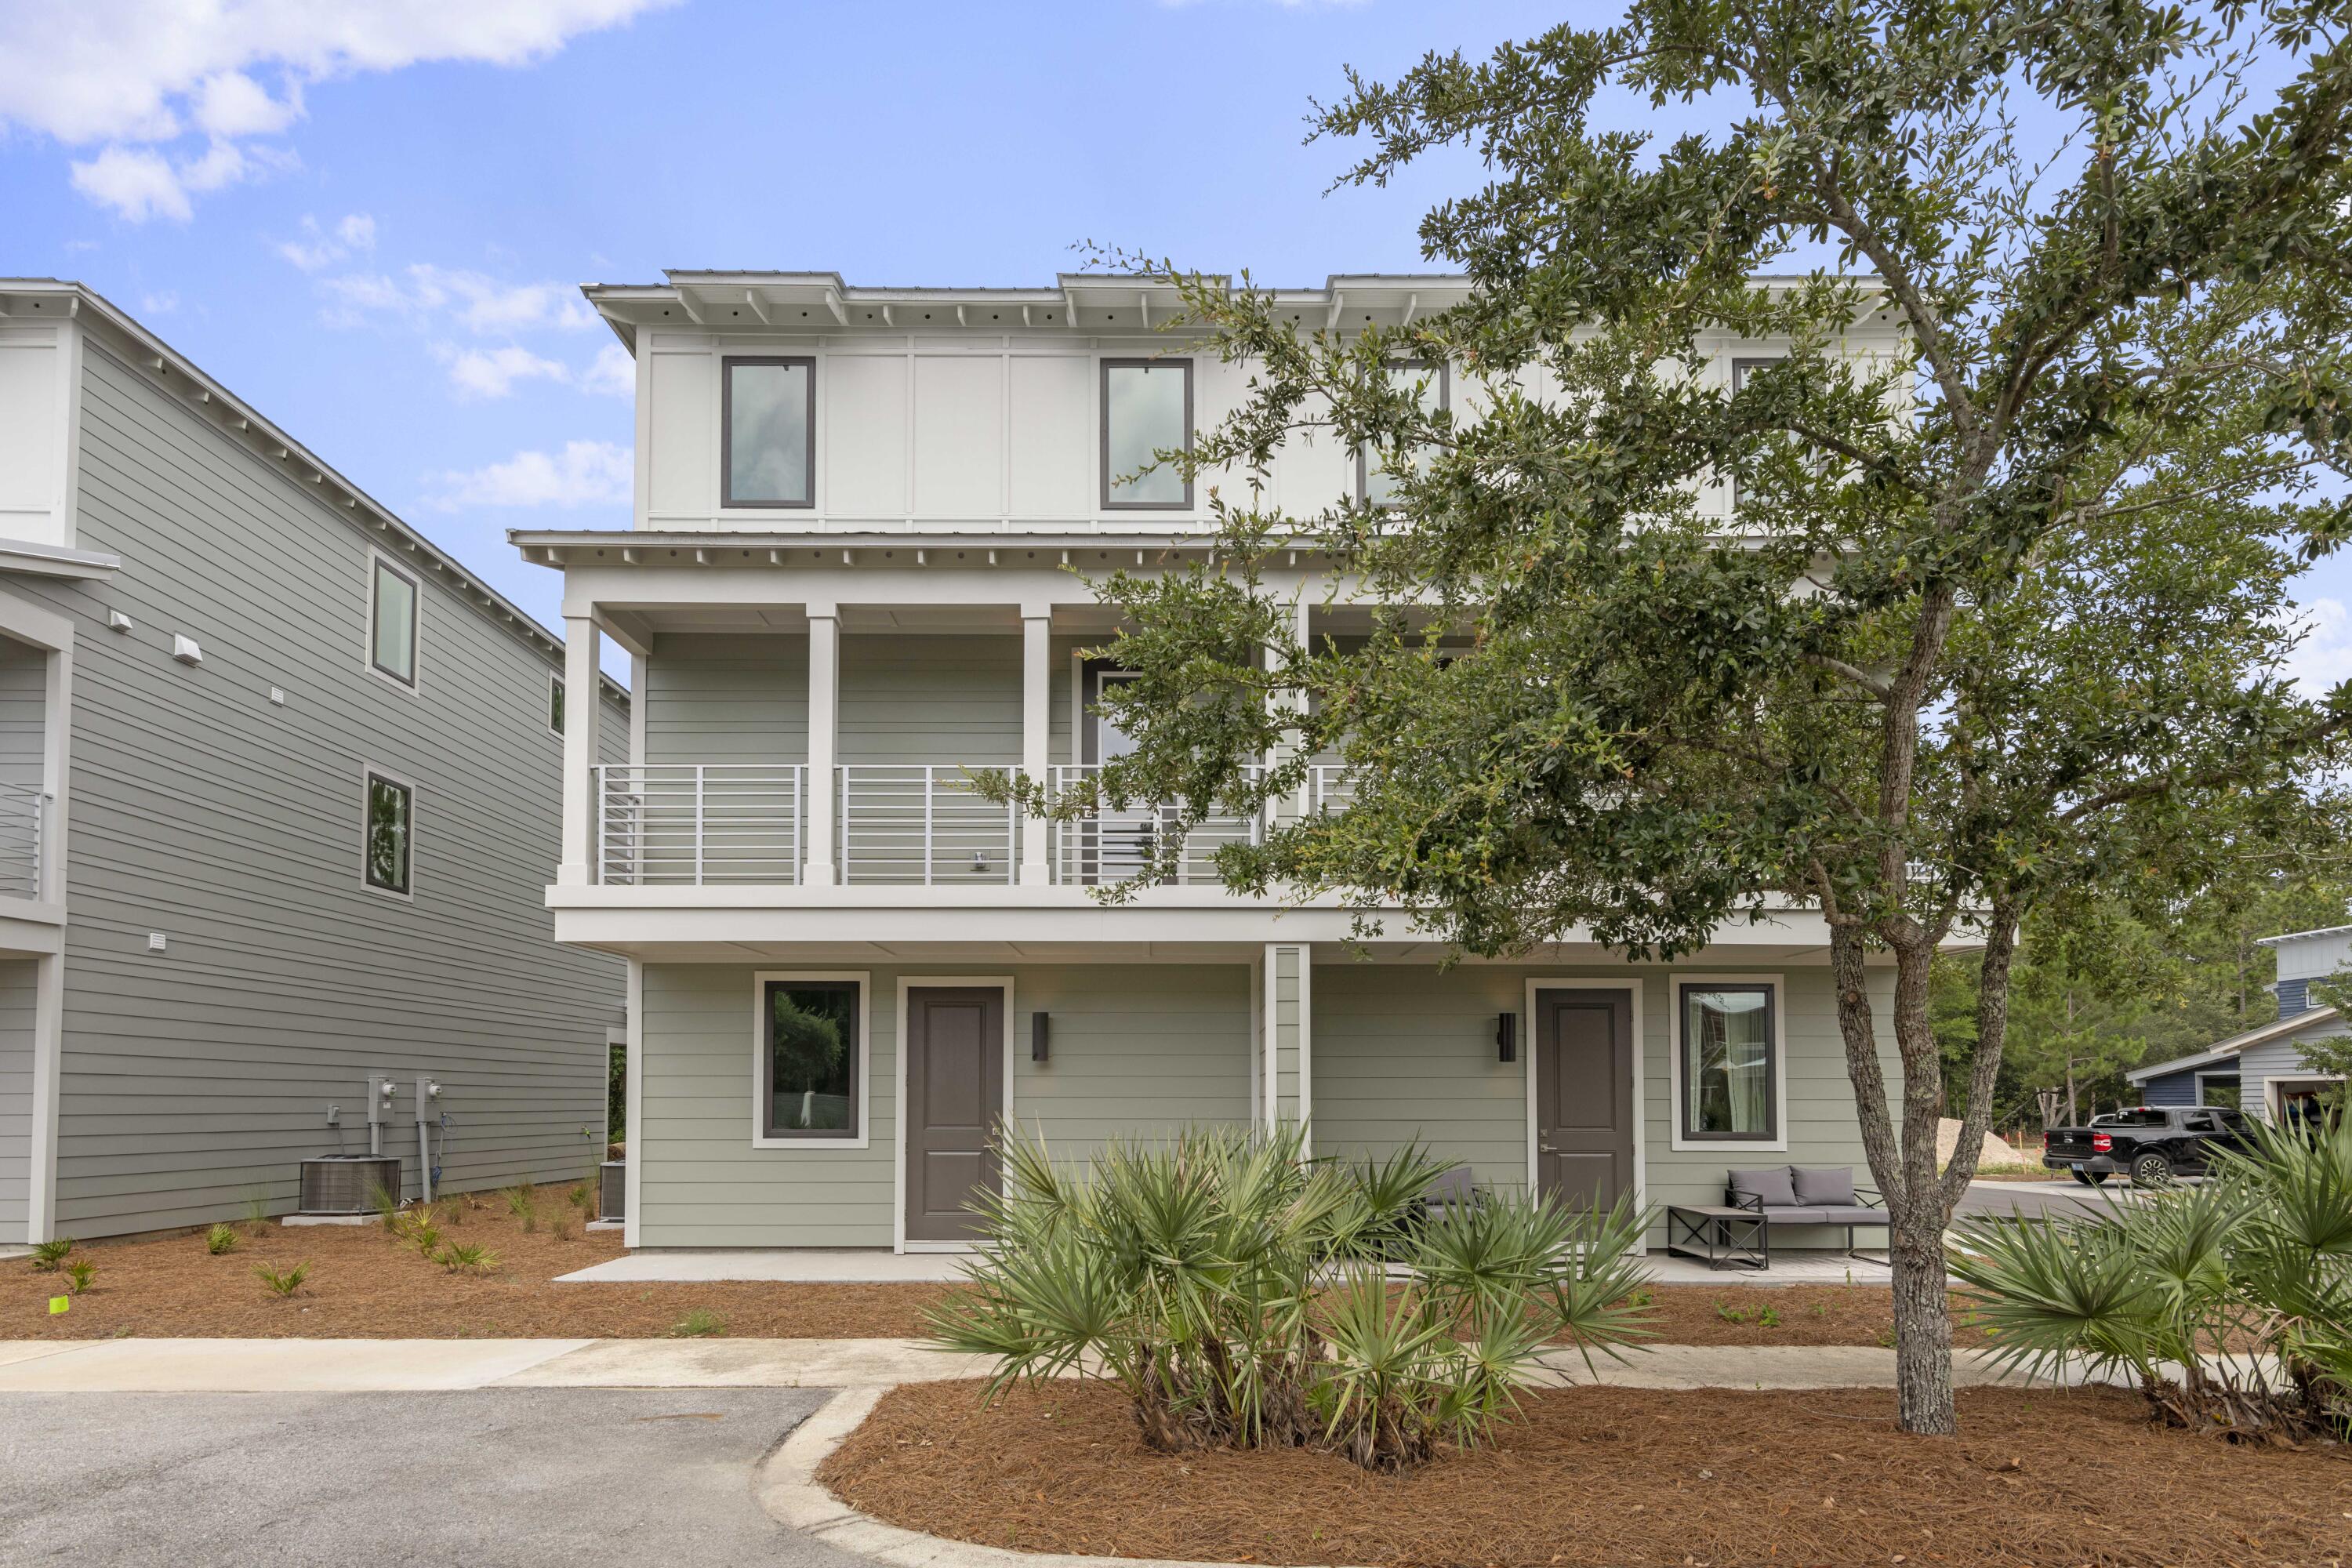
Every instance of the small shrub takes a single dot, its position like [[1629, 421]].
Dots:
[[561, 1229], [522, 1200], [469, 1258], [282, 1282], [221, 1239], [79, 1274], [48, 1254], [386, 1203], [578, 1197], [699, 1324], [1239, 1295], [424, 1236], [256, 1213]]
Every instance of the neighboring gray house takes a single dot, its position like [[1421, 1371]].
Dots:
[[279, 806], [847, 583], [2265, 1068]]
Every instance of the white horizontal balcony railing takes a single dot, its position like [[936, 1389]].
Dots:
[[1328, 788], [21, 814], [1113, 844], [672, 824], [923, 824]]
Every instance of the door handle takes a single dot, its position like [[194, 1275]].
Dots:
[[1546, 1149]]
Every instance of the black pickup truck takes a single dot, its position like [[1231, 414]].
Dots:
[[2150, 1144]]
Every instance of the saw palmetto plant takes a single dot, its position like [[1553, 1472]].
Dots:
[[1242, 1296], [2229, 1302]]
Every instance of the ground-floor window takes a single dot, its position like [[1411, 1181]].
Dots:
[[809, 1065], [1729, 1041]]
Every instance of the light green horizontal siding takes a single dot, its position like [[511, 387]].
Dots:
[[1404, 1053], [1137, 1050], [714, 696], [930, 699]]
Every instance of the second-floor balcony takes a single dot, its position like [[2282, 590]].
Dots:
[[919, 823]]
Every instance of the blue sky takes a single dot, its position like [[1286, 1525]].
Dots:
[[371, 222]]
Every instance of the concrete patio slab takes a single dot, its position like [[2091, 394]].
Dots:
[[795, 1265], [276, 1366]]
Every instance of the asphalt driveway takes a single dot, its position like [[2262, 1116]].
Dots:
[[487, 1478], [2037, 1200]]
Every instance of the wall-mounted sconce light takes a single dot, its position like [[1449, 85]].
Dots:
[[1507, 1037], [1038, 1037]]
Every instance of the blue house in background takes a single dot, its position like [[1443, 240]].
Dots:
[[2263, 1071]]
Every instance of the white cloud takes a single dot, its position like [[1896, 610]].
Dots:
[[137, 184], [612, 373], [585, 473], [2324, 657], [161, 304], [481, 303], [130, 76], [492, 372], [315, 247]]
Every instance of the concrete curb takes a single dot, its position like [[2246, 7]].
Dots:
[[788, 1490]]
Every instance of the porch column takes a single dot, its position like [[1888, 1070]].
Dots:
[[823, 715], [1289, 1035], [1289, 702], [583, 707], [1036, 687]]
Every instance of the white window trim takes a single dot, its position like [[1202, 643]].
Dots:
[[415, 686], [555, 685], [898, 1242], [864, 980], [1779, 1142], [2217, 1072], [370, 770], [1528, 1055]]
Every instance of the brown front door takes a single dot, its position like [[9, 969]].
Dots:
[[1584, 1095], [955, 1095]]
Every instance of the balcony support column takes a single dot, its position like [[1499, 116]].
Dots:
[[1036, 691], [824, 727], [583, 709]]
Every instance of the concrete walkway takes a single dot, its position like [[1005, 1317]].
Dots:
[[873, 1266], [379, 1366]]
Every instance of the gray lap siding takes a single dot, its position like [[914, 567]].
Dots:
[[194, 1078]]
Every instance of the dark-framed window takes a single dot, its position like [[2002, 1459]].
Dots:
[[1146, 408], [1741, 369], [810, 1033], [1730, 1061], [1374, 484], [394, 603], [767, 431], [555, 704], [387, 849]]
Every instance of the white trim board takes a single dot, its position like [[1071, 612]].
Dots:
[[898, 1242], [1632, 983], [1777, 1144], [864, 980]]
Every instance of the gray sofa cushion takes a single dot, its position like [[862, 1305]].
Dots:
[[1771, 1184], [1832, 1187], [1790, 1214], [1852, 1214]]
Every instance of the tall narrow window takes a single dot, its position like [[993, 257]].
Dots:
[[386, 852], [1375, 484], [1727, 1066], [555, 704], [1146, 408], [392, 624], [810, 1064], [1741, 369], [767, 431]]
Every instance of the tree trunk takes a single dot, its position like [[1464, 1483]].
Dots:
[[1906, 1171]]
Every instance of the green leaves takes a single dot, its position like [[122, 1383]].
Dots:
[[1244, 1297]]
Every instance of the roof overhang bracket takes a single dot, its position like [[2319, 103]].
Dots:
[[759, 307]]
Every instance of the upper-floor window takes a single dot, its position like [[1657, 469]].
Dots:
[[386, 849], [767, 432], [555, 704], [1741, 369], [392, 624], [1146, 408], [1375, 484]]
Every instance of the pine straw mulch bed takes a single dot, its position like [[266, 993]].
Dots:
[[1612, 1476], [364, 1286]]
